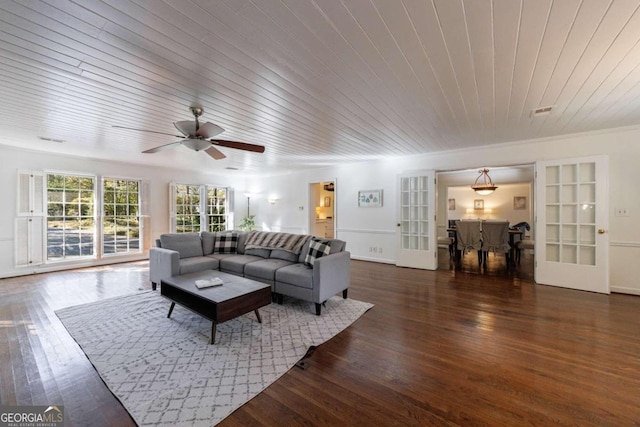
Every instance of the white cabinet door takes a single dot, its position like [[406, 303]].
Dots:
[[572, 211], [416, 236]]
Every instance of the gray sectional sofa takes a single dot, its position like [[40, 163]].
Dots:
[[269, 257]]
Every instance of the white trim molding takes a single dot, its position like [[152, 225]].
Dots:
[[625, 244], [364, 231]]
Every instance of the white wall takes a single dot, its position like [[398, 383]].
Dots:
[[497, 205], [363, 228], [13, 159]]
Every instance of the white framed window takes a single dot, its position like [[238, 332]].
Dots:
[[217, 219], [196, 208], [187, 203], [71, 219], [67, 216], [121, 216]]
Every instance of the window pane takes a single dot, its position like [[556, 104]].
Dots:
[[70, 222], [121, 222]]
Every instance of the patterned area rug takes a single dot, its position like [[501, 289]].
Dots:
[[166, 374]]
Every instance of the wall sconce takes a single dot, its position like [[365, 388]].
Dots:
[[486, 186]]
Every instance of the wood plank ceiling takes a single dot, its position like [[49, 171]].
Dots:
[[316, 82]]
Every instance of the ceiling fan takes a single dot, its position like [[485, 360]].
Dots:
[[198, 137]]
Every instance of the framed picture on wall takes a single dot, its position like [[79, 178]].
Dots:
[[327, 202], [519, 202], [478, 204], [370, 198], [452, 204]]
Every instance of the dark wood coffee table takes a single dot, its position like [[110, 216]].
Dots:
[[234, 298]]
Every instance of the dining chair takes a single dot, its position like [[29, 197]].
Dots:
[[495, 238], [448, 242], [522, 245], [468, 238], [518, 238]]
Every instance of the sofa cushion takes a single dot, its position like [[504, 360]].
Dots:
[[220, 256], [304, 252], [186, 244], [265, 269], [336, 245], [199, 263], [296, 274], [285, 255], [261, 252], [235, 264], [207, 242], [242, 240], [225, 243], [317, 249]]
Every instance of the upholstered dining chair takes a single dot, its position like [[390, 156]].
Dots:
[[469, 237], [517, 239], [450, 240], [495, 238], [522, 245]]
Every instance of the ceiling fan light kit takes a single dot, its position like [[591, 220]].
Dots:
[[197, 137]]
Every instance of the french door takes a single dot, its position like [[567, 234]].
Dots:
[[572, 210], [416, 229]]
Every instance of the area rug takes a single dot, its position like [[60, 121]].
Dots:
[[165, 372]]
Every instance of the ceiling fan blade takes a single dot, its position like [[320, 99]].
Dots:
[[209, 130], [163, 147], [215, 153], [149, 131], [238, 145], [188, 128]]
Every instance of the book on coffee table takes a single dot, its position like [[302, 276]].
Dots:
[[207, 283]]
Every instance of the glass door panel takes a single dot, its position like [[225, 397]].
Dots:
[[416, 221], [571, 245]]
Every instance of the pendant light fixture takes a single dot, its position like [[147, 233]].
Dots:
[[484, 186]]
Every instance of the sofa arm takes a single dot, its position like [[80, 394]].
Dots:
[[163, 263], [331, 274]]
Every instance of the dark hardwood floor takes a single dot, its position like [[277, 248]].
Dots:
[[453, 347]]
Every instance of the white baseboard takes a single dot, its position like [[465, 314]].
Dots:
[[623, 290], [380, 260], [62, 266]]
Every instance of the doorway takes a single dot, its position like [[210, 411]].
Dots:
[[512, 201], [322, 208]]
